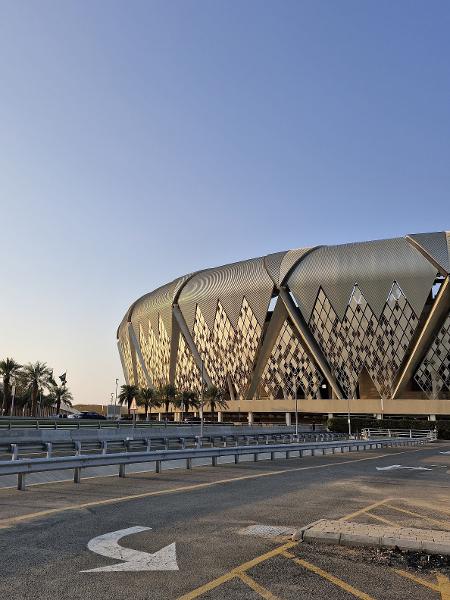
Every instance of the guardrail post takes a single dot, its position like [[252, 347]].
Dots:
[[198, 441], [255, 457], [14, 451], [183, 443], [48, 446], [214, 461], [272, 456], [104, 447], [267, 440], [189, 463], [236, 459], [149, 444], [158, 466], [77, 448], [21, 482], [77, 475], [122, 470]]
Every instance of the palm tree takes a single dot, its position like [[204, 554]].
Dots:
[[215, 398], [8, 368], [148, 397], [127, 393], [58, 394], [168, 393], [185, 400], [37, 377]]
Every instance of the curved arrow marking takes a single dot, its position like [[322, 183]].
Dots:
[[135, 560]]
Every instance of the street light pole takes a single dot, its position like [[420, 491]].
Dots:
[[201, 403], [13, 393], [348, 417], [117, 383], [294, 387]]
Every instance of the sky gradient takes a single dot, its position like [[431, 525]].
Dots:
[[144, 140]]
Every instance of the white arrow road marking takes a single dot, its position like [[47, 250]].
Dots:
[[135, 560], [394, 467]]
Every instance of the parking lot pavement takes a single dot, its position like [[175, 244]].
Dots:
[[190, 540]]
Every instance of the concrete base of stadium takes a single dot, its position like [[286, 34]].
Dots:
[[284, 409]]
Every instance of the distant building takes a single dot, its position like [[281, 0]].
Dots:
[[367, 322]]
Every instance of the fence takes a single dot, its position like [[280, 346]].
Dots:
[[429, 434], [22, 467], [51, 442]]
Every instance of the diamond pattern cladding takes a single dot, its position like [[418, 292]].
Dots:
[[433, 375], [156, 352], [126, 353], [362, 339], [226, 350], [187, 375], [289, 366]]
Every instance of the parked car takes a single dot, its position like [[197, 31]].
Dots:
[[88, 415]]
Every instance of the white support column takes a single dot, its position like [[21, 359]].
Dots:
[[288, 419], [432, 417], [330, 415], [159, 416], [220, 417], [250, 418], [378, 417]]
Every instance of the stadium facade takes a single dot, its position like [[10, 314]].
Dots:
[[365, 325]]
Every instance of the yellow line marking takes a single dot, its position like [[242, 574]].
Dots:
[[237, 572], [381, 519], [365, 510], [259, 589], [444, 586], [418, 580], [329, 577], [11, 521], [422, 504], [444, 524]]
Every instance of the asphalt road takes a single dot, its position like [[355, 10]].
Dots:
[[44, 532]]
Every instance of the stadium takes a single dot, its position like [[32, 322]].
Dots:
[[363, 327]]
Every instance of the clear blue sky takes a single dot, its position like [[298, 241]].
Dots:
[[144, 140]]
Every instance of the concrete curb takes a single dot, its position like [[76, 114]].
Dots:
[[347, 533]]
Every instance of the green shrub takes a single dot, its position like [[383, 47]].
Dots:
[[443, 428]]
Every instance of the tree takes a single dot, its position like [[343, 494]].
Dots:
[[168, 393], [58, 394], [215, 397], [148, 398], [37, 377], [8, 368], [186, 399], [127, 393]]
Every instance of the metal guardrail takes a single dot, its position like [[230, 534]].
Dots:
[[22, 467], [24, 423], [139, 440], [373, 433], [8, 423]]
